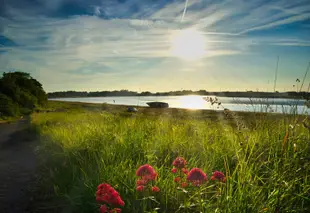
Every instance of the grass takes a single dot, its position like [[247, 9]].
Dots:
[[264, 156], [8, 119]]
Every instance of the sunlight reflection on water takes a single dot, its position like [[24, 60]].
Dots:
[[192, 102], [197, 102]]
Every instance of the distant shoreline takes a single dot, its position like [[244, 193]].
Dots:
[[263, 95], [285, 97]]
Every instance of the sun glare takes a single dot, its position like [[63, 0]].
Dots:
[[188, 44], [192, 102]]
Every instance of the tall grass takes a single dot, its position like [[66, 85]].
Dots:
[[267, 163]]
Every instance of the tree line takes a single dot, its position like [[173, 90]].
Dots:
[[252, 94], [20, 94]]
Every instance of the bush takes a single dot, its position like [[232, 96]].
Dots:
[[7, 107]]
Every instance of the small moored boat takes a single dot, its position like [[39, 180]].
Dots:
[[158, 104]]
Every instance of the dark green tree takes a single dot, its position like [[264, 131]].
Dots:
[[20, 90]]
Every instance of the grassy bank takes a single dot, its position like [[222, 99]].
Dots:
[[265, 158]]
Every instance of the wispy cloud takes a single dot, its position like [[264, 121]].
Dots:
[[126, 37], [291, 19]]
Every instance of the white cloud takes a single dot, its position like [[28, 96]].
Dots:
[[82, 47], [97, 10], [245, 16], [173, 11], [289, 20]]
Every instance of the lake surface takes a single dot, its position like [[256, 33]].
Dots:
[[198, 102]]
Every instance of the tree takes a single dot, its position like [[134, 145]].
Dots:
[[21, 90]]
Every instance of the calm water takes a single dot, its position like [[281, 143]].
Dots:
[[198, 102]]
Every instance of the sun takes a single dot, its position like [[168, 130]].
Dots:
[[188, 44]]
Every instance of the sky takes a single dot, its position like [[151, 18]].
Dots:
[[157, 45]]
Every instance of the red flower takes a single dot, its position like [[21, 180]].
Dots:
[[218, 176], [119, 202], [140, 188], [185, 171], [184, 185], [179, 162], [149, 177], [196, 176], [155, 189], [116, 210], [177, 179], [103, 186], [109, 195], [174, 170], [146, 171], [141, 182], [104, 209]]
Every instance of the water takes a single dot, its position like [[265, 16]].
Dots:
[[198, 102]]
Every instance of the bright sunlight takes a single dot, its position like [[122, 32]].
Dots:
[[188, 44], [192, 102]]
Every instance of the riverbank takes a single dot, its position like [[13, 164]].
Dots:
[[200, 114], [87, 144]]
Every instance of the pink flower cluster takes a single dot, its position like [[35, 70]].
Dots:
[[218, 176], [179, 163], [195, 176], [147, 175], [180, 168], [146, 178], [107, 194]]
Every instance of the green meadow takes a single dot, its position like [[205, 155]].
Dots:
[[265, 158]]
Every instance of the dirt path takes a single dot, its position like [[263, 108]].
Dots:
[[17, 166]]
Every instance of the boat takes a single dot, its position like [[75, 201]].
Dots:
[[158, 104]]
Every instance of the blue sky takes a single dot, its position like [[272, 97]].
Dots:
[[125, 44]]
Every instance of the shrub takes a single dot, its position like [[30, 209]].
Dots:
[[7, 106]]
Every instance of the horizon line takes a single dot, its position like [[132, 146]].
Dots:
[[193, 91]]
